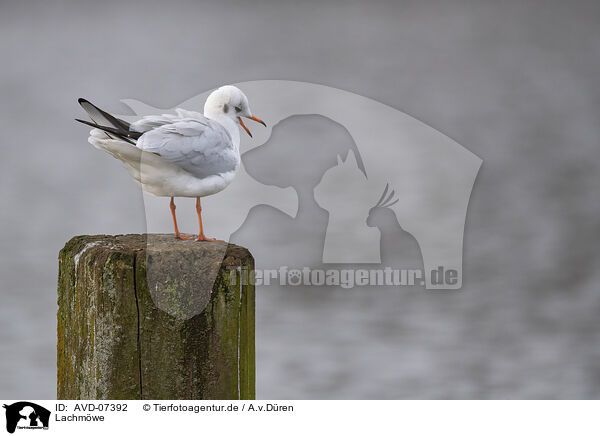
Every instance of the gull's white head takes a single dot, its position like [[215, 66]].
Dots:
[[228, 101]]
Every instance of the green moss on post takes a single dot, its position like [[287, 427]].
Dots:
[[148, 317]]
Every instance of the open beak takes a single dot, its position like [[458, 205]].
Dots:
[[258, 120]]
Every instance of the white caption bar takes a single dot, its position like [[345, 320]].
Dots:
[[301, 417]]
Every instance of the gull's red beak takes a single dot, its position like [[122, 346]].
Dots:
[[258, 120]]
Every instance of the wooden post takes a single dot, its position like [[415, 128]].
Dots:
[[149, 317]]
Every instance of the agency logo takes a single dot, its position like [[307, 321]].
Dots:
[[25, 415], [337, 182]]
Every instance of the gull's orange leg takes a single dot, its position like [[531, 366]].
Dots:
[[172, 206], [201, 236]]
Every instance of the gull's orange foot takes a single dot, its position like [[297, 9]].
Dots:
[[203, 238], [181, 237]]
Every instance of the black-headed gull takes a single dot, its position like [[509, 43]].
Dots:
[[188, 154]]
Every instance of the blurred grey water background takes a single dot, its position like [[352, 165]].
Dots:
[[515, 82]]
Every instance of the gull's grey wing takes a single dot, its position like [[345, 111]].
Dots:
[[150, 122], [200, 146]]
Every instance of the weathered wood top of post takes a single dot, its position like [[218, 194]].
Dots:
[[147, 316]]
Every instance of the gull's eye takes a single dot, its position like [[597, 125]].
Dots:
[[238, 109]]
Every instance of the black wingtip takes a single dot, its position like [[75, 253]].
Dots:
[[82, 100], [110, 130], [87, 122]]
